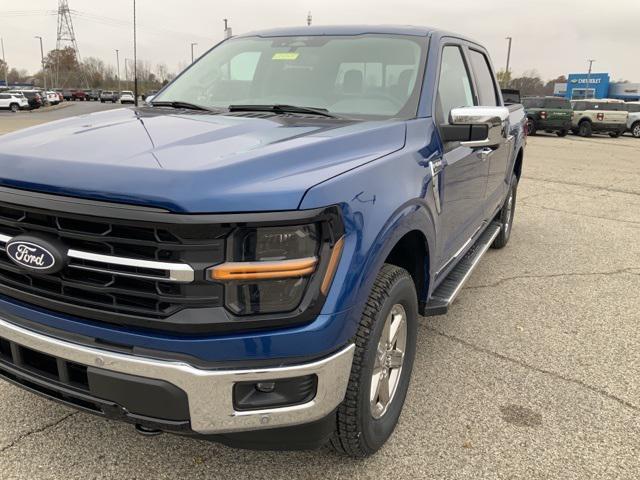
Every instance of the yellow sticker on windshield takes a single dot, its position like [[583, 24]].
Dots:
[[285, 56]]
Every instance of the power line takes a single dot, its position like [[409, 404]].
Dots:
[[115, 22]]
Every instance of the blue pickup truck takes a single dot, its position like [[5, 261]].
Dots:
[[245, 258]]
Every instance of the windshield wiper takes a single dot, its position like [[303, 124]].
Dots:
[[179, 104], [278, 108]]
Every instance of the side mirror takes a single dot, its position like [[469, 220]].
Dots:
[[476, 127], [149, 99]]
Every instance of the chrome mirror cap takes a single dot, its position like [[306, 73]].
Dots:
[[493, 117]]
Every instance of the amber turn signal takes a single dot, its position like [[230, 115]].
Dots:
[[267, 270], [336, 252]]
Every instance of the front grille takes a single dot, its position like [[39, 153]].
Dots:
[[115, 266]]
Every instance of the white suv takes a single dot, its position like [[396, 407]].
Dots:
[[13, 101], [126, 96], [633, 122]]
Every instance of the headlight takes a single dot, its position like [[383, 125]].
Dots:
[[269, 269]]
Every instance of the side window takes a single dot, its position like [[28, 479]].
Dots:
[[484, 79], [454, 87], [4, 96]]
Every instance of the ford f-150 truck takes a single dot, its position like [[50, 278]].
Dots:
[[248, 262]]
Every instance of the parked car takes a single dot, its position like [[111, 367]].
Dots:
[[79, 95], [598, 116], [132, 287], [67, 94], [126, 96], [109, 96], [94, 94], [633, 120], [53, 98], [13, 101], [34, 97], [551, 114]]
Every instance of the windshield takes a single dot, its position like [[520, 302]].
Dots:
[[358, 76]]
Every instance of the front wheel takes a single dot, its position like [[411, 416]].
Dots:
[[635, 130], [531, 127], [382, 363], [585, 129], [14, 107], [506, 215]]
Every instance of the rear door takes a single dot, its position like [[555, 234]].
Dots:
[[497, 156], [464, 174], [611, 113]]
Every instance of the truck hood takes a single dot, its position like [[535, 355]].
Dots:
[[191, 162]]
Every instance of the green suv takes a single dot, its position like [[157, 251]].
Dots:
[[551, 114]]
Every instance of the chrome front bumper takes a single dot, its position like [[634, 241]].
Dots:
[[209, 392]]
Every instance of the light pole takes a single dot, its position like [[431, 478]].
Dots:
[[44, 73], [135, 57], [118, 68], [6, 67], [586, 92], [506, 72], [192, 45]]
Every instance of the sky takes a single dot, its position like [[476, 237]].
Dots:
[[553, 37]]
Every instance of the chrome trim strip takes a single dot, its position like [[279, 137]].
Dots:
[[176, 272], [210, 392]]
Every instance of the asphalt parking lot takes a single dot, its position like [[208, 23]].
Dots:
[[534, 373]]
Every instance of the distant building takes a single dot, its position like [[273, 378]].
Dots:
[[596, 85]]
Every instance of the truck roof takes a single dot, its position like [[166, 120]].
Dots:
[[302, 31], [341, 30]]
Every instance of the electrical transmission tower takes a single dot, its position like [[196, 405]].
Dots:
[[67, 38]]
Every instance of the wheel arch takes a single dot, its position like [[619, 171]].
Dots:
[[411, 227]]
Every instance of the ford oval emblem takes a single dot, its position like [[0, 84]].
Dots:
[[32, 254]]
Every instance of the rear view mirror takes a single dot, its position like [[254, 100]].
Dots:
[[476, 127]]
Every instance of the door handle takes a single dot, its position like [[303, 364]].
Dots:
[[485, 153]]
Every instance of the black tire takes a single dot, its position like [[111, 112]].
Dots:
[[531, 126], [585, 129], [14, 107], [506, 215], [635, 130], [575, 131], [562, 133], [358, 434], [615, 134]]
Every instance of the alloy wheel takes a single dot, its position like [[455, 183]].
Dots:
[[387, 368]]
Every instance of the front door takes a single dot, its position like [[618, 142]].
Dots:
[[464, 170]]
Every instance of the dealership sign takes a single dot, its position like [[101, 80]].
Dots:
[[596, 83]]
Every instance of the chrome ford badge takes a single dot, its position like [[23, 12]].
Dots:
[[33, 254]]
